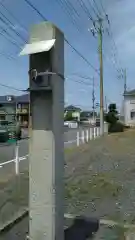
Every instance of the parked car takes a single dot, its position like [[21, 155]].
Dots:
[[9, 130], [71, 124]]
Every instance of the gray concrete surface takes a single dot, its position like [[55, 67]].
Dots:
[[18, 232]]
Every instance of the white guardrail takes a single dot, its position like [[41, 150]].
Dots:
[[82, 137]]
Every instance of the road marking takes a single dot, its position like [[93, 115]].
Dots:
[[24, 157], [13, 160]]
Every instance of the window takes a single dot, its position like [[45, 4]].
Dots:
[[2, 117], [3, 122], [132, 115]]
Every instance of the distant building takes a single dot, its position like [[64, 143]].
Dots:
[[129, 108], [88, 116], [72, 108], [14, 106]]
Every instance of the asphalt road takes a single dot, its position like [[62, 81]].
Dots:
[[7, 151], [18, 232]]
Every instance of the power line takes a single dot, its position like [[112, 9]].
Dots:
[[36, 10], [90, 4], [75, 11], [94, 1], [81, 56], [68, 13], [44, 18], [9, 40], [9, 57], [12, 15], [102, 6], [85, 9], [115, 46], [110, 31], [70, 8], [79, 81], [10, 87], [12, 29], [81, 76]]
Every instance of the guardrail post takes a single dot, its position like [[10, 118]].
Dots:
[[87, 135], [17, 158], [78, 139], [98, 132], [83, 137], [94, 132], [91, 135], [106, 127]]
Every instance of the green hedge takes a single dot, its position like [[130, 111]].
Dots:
[[117, 127]]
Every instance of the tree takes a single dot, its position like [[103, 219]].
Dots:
[[68, 116], [112, 115], [112, 119]]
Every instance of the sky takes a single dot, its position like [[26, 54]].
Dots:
[[118, 46]]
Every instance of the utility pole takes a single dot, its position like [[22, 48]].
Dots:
[[101, 77], [93, 99], [106, 108], [125, 89], [125, 80], [46, 151], [98, 28]]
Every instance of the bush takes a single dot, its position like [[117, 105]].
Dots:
[[68, 117], [117, 127]]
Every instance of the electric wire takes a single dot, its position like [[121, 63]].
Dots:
[[13, 16], [12, 29], [68, 13], [66, 40]]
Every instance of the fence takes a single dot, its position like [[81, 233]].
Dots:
[[82, 136], [85, 135]]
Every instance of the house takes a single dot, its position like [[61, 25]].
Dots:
[[74, 110], [87, 116], [7, 108], [14, 106], [129, 108]]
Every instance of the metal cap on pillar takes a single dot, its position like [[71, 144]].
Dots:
[[46, 161], [42, 39]]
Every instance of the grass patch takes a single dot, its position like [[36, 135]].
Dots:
[[97, 186], [114, 233]]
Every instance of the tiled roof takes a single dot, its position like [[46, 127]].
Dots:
[[4, 99], [72, 108], [23, 98], [128, 93], [19, 99]]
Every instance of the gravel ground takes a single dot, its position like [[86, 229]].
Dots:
[[104, 171], [100, 179], [99, 182]]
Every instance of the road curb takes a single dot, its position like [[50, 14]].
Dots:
[[24, 213], [15, 219]]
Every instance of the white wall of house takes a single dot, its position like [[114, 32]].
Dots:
[[129, 110]]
